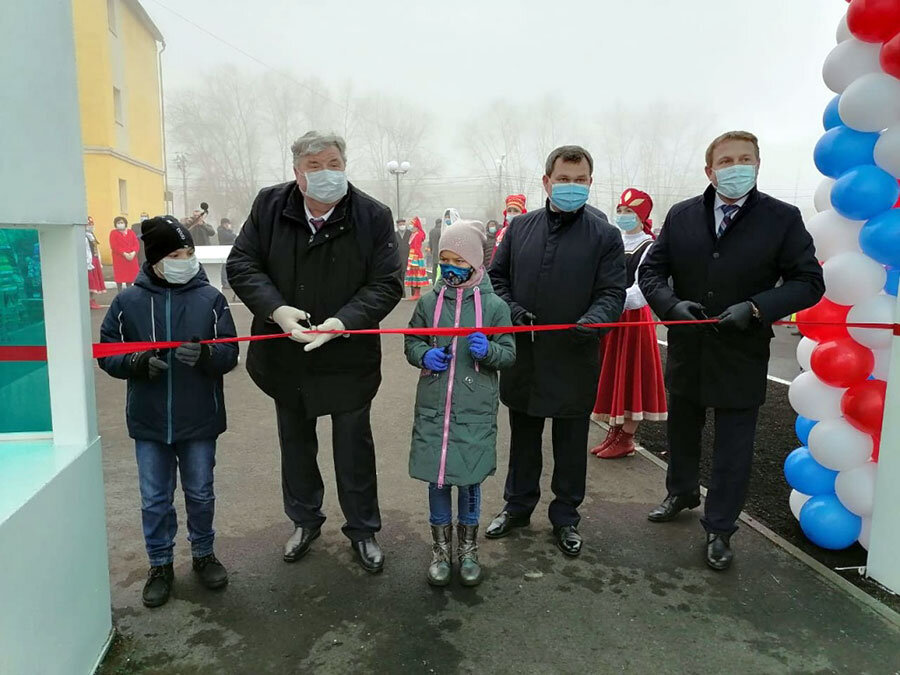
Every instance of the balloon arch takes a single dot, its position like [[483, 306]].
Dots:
[[840, 395]]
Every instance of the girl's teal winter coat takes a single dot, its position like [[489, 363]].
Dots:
[[470, 453]]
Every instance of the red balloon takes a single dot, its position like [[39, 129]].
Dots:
[[890, 56], [874, 20], [863, 405], [825, 311], [842, 363]]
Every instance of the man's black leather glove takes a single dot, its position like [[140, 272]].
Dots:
[[147, 366], [737, 317], [585, 334], [526, 318], [686, 310]]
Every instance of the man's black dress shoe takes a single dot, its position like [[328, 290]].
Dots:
[[718, 551], [369, 554], [568, 540], [504, 523], [298, 545], [672, 506]]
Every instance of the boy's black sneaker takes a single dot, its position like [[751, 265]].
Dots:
[[211, 572], [158, 586]]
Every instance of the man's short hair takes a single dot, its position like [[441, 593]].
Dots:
[[314, 142], [225, 221], [731, 136], [569, 153]]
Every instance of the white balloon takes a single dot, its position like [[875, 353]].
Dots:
[[849, 61], [877, 309], [856, 488], [865, 534], [822, 199], [871, 103], [833, 234], [814, 399], [796, 502], [804, 352], [882, 363], [843, 31], [887, 151], [838, 446], [852, 278]]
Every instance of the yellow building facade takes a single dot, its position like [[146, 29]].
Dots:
[[117, 49]]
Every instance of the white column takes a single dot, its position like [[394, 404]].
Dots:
[[884, 548], [68, 329]]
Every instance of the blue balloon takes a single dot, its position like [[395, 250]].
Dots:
[[832, 117], [828, 524], [806, 475], [864, 192], [893, 281], [803, 426], [842, 148], [880, 238]]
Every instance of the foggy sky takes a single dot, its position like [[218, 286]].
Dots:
[[756, 65]]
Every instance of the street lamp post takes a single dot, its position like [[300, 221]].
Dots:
[[398, 169]]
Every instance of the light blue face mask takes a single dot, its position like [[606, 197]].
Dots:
[[569, 196], [326, 186], [735, 181], [180, 270], [626, 221]]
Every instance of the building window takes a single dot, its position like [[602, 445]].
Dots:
[[117, 106], [111, 16], [123, 196]]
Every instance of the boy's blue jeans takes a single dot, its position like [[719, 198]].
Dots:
[[440, 503], [157, 466]]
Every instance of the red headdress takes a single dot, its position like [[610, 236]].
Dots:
[[641, 204]]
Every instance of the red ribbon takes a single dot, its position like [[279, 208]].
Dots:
[[103, 349]]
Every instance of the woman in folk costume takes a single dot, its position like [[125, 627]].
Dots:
[[631, 387], [96, 283], [515, 206], [416, 274]]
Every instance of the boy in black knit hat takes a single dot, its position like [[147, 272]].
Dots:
[[175, 405]]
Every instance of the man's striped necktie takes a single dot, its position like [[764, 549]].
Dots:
[[729, 210]]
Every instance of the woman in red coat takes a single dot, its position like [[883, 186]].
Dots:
[[124, 245], [631, 387], [416, 274]]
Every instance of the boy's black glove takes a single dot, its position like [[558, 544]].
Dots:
[[147, 366], [192, 353]]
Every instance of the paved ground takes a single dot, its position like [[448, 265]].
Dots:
[[638, 600]]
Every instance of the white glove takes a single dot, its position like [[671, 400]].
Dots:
[[319, 340], [634, 299], [288, 318]]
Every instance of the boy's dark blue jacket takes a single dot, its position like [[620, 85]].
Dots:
[[184, 403]]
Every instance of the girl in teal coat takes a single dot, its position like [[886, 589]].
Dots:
[[455, 430]]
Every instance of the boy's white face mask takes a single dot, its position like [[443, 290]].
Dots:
[[178, 270]]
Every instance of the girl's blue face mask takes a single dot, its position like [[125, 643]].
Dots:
[[454, 276], [626, 221]]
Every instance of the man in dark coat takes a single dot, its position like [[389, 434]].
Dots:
[[561, 264], [434, 237], [403, 235], [319, 251], [725, 252], [225, 232]]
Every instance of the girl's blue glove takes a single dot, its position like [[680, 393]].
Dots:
[[478, 345], [436, 360]]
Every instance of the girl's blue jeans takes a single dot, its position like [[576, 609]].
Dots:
[[440, 503]]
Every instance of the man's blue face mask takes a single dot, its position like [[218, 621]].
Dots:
[[569, 196]]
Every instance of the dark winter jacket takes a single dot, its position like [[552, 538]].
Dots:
[[765, 243], [472, 442], [349, 270], [563, 268], [226, 236], [202, 233], [185, 403]]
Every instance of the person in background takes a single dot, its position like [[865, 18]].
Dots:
[[515, 206], [631, 386], [454, 439], [434, 238], [136, 228], [200, 230], [402, 234], [745, 258], [175, 407], [226, 232], [96, 282], [416, 274], [490, 241], [124, 245], [563, 264], [451, 215]]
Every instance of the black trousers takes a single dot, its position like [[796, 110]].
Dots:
[[732, 459], [523, 480], [354, 467]]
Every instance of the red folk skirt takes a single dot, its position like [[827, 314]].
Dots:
[[416, 274], [96, 283], [631, 385]]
